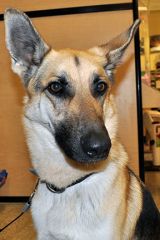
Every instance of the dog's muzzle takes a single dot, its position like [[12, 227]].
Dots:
[[83, 144]]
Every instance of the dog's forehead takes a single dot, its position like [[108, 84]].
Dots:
[[77, 65]]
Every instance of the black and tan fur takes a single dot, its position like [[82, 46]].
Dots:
[[71, 125]]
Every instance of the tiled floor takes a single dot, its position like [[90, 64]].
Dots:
[[23, 228]]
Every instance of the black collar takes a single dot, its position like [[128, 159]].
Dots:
[[54, 189]]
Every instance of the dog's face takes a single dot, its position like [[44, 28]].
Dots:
[[74, 87], [68, 91]]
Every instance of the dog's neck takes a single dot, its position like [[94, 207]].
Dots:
[[54, 189]]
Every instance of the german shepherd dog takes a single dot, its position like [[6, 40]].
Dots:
[[86, 191]]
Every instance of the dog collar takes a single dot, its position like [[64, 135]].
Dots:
[[54, 189]]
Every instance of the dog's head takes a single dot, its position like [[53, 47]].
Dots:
[[68, 90]]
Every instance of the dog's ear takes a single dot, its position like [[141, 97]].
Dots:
[[25, 45], [114, 49]]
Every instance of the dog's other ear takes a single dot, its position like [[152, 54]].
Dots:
[[114, 49], [25, 45]]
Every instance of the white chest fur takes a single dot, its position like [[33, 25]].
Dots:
[[76, 214]]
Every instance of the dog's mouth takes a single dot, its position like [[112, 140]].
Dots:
[[85, 146]]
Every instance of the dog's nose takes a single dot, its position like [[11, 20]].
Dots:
[[96, 144]]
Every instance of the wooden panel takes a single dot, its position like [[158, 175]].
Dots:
[[74, 31], [82, 31], [26, 5], [13, 155]]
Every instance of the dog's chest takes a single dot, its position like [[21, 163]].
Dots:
[[71, 217]]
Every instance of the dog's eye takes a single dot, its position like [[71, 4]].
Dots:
[[101, 87], [55, 88]]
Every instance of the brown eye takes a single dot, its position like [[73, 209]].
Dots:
[[101, 87], [55, 88]]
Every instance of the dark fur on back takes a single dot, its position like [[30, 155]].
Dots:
[[148, 225]]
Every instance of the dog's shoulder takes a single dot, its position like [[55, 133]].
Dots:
[[148, 224]]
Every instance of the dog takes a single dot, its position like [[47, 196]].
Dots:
[[86, 190]]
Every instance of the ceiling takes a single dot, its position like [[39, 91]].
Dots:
[[152, 5]]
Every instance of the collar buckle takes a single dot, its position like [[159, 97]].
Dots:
[[54, 189]]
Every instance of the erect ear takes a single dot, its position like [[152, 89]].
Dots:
[[114, 49], [25, 45]]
